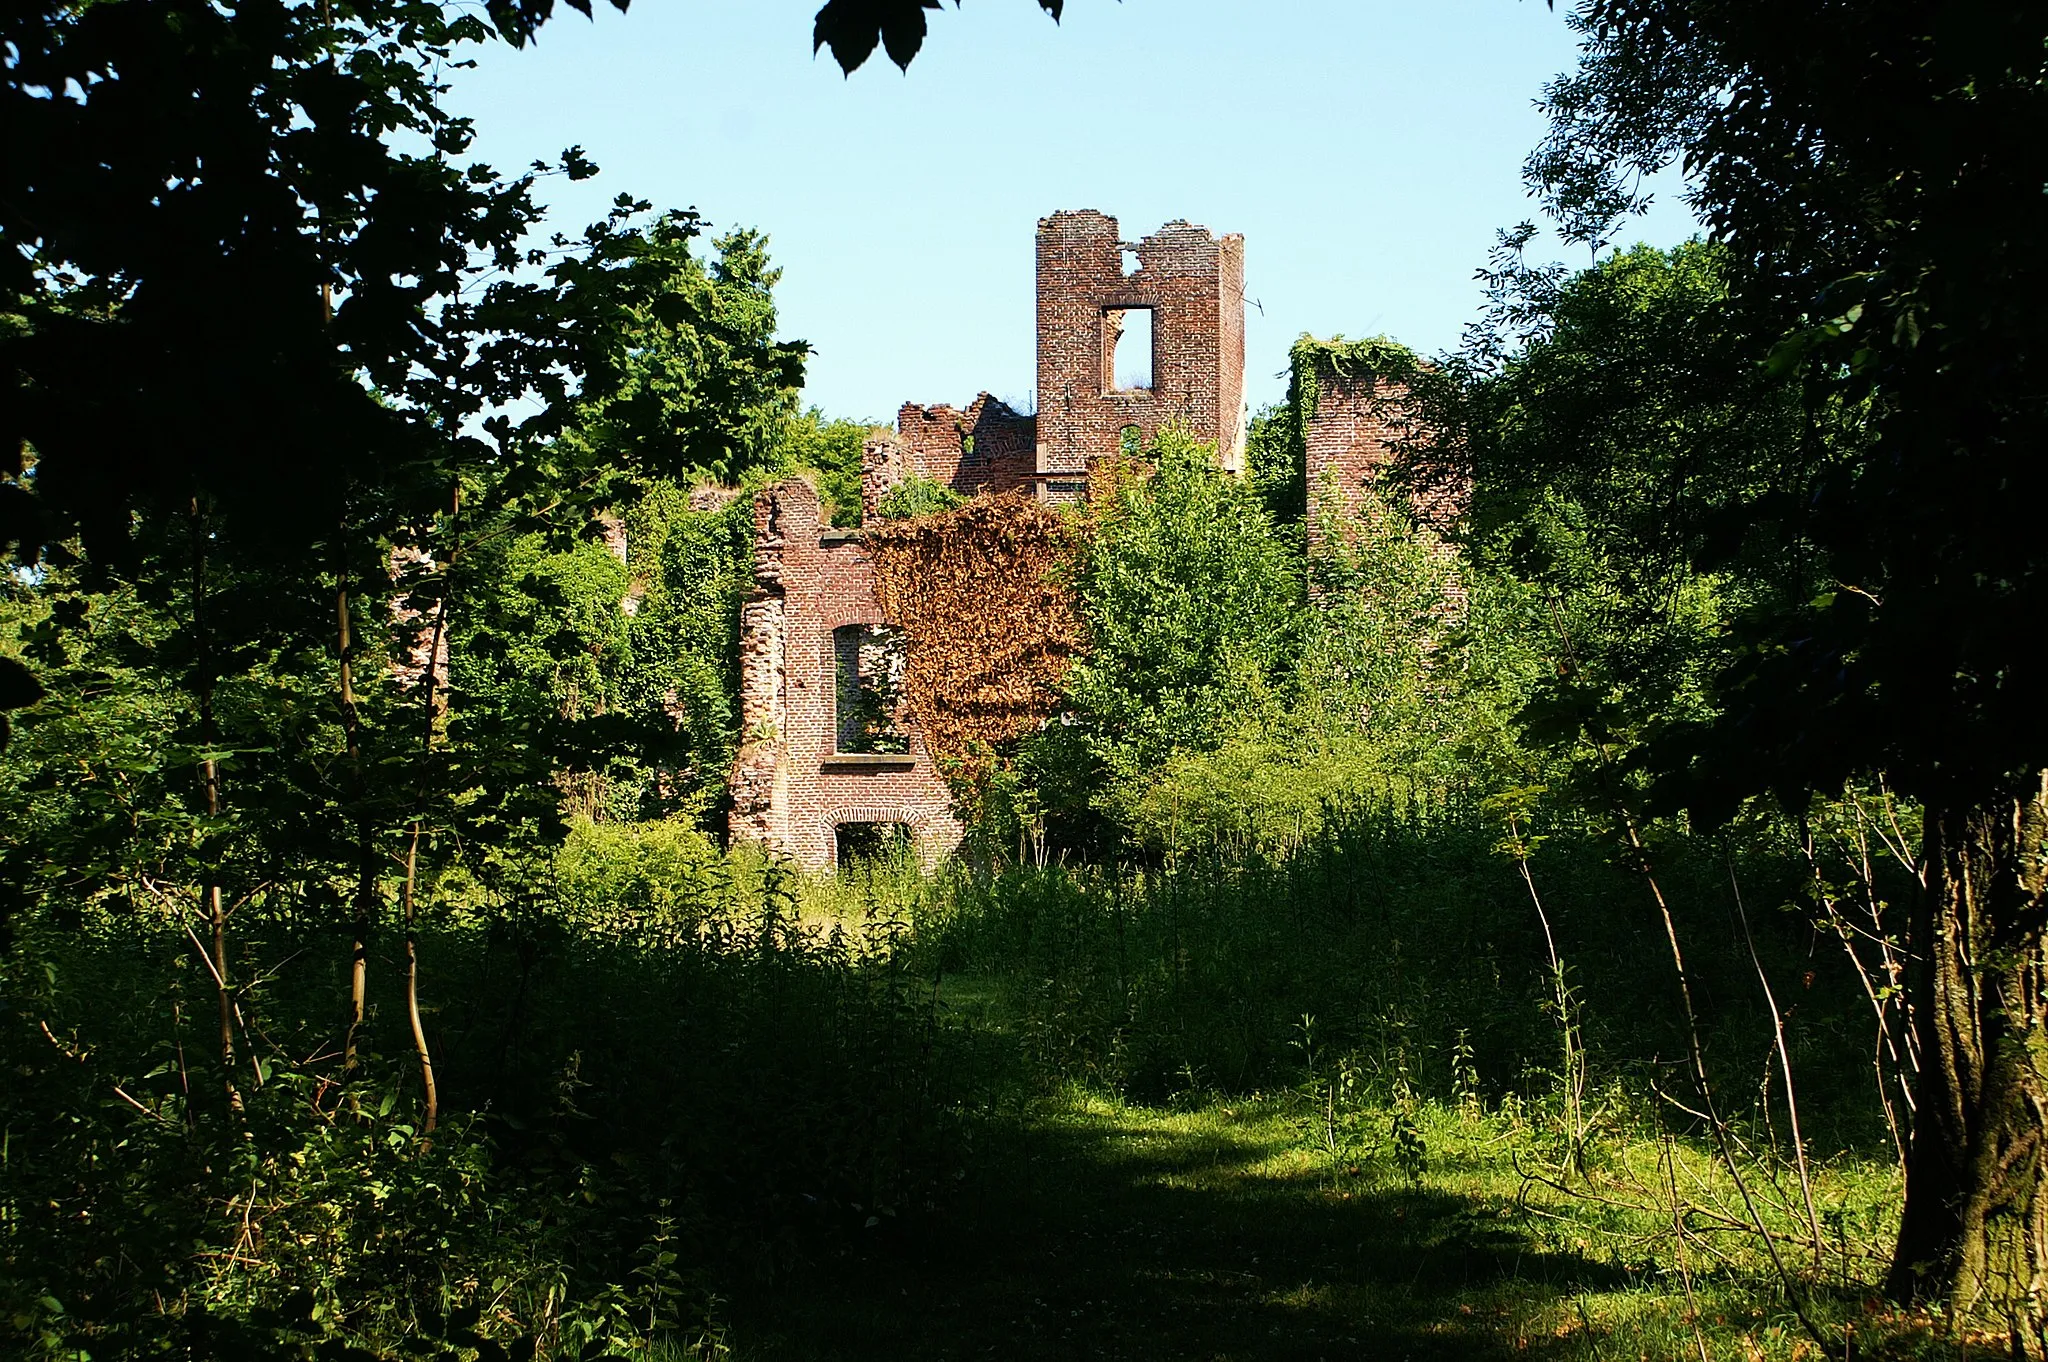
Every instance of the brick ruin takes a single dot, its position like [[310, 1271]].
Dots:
[[1190, 286], [808, 629], [826, 743], [1361, 427]]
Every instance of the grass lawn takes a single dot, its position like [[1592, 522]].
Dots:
[[1236, 1228]]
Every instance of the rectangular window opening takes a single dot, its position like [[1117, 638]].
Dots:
[[1127, 336], [869, 708]]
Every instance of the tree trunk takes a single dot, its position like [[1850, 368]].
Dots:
[[1974, 1234], [430, 1089], [431, 681], [366, 883], [214, 908]]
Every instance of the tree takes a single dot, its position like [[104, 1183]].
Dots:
[[1189, 597], [853, 29], [680, 371], [1874, 173], [607, 665], [263, 339], [214, 249], [1624, 424], [833, 448]]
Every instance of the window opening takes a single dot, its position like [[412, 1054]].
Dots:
[[1128, 332], [868, 843], [1130, 442], [868, 694]]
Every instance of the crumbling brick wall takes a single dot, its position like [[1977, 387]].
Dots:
[[792, 788], [1193, 283], [1353, 435], [1360, 427], [987, 448]]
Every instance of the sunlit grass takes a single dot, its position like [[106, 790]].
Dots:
[[1469, 1255]]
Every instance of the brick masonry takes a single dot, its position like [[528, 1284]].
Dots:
[[1193, 283], [986, 448], [792, 788], [1362, 426]]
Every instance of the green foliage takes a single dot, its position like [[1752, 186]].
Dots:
[[619, 680], [668, 871], [1419, 654], [1606, 450], [104, 790], [832, 448], [239, 754], [699, 568], [917, 496], [556, 638], [682, 373], [1276, 462], [1258, 793], [1899, 289], [607, 1172], [1755, 516], [343, 313], [1410, 936], [299, 260], [1378, 357], [1239, 691], [1190, 599], [853, 28]]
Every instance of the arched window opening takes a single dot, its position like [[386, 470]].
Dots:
[[869, 843]]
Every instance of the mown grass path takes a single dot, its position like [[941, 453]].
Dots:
[[1097, 1230]]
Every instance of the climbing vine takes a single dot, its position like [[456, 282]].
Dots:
[[1308, 359], [984, 595], [1277, 443]]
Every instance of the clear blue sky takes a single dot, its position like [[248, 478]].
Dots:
[[1367, 150]]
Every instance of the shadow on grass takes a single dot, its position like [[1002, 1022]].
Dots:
[[1128, 1233]]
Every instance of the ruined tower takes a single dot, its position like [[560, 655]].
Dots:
[[827, 749], [1184, 289], [1130, 338]]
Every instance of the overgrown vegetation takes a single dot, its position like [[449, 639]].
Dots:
[[1610, 926], [979, 589], [658, 1084], [1294, 834]]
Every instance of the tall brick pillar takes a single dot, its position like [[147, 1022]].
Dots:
[[760, 777]]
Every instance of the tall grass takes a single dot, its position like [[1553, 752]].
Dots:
[[673, 1074], [1409, 937], [657, 1083]]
